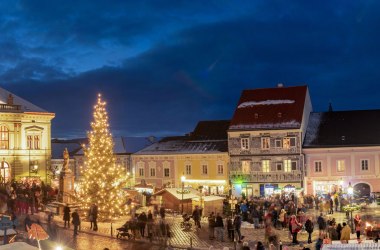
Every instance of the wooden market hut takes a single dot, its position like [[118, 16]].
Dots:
[[209, 204], [171, 198]]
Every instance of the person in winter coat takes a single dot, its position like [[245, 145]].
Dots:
[[197, 217], [358, 224], [282, 218], [346, 232], [219, 227], [331, 206], [237, 225], [230, 228], [296, 227], [211, 226], [309, 227], [142, 223], [93, 216], [66, 215], [76, 221], [321, 223], [339, 230]]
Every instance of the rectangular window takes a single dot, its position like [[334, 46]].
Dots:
[[36, 142], [141, 172], [204, 169], [289, 142], [265, 143], [287, 165], [29, 139], [246, 167], [4, 137], [220, 169], [279, 166], [245, 143], [265, 165], [166, 172], [364, 165], [340, 165], [188, 169], [318, 166], [294, 165], [278, 143], [152, 172]]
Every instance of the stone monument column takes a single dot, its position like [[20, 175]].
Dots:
[[66, 180]]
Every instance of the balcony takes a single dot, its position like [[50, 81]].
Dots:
[[294, 176], [10, 108]]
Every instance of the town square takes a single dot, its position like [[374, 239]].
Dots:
[[229, 125]]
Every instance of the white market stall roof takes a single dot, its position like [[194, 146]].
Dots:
[[209, 198], [176, 192], [18, 245]]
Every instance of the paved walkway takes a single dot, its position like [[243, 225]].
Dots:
[[198, 238]]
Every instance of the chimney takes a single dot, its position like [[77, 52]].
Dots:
[[10, 99], [280, 85]]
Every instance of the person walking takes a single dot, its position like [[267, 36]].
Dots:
[[76, 221], [162, 212], [281, 218], [309, 227], [331, 206], [211, 226], [93, 214], [219, 227], [321, 223], [357, 223], [150, 224], [142, 223], [66, 215], [336, 201]]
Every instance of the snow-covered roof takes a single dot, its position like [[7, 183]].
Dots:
[[209, 198], [177, 193], [278, 125], [267, 102], [25, 106]]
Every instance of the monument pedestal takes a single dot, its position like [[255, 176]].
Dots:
[[66, 186]]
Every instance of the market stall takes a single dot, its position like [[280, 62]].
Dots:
[[209, 204]]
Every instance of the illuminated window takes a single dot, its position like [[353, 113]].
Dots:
[[340, 165], [152, 172], [4, 137], [246, 167], [245, 143], [289, 142], [265, 143], [287, 165], [364, 165], [166, 172], [318, 166], [188, 169], [266, 166], [204, 169], [220, 169]]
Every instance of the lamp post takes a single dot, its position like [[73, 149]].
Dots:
[[350, 192], [183, 178]]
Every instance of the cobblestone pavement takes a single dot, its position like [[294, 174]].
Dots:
[[198, 238]]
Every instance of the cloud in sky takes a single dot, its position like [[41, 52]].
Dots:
[[164, 65]]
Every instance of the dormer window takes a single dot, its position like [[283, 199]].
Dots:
[[279, 114], [256, 115]]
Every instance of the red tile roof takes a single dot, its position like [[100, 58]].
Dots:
[[270, 108]]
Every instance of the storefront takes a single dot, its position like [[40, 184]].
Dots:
[[208, 187], [263, 189], [325, 187]]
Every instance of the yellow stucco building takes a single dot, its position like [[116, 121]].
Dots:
[[25, 139]]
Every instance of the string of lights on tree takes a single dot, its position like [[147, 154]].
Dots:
[[102, 180]]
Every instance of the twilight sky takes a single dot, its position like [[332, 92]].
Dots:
[[164, 65]]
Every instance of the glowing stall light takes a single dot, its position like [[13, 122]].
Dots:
[[205, 181]]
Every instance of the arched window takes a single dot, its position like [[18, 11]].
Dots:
[[4, 137], [5, 172]]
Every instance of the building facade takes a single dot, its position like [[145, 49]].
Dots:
[[25, 134], [265, 140], [342, 148], [201, 157]]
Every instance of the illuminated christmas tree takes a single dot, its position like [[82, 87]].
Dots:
[[102, 180]]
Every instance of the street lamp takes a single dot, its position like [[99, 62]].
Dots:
[[350, 192], [183, 179]]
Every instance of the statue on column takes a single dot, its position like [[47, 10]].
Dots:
[[66, 158]]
